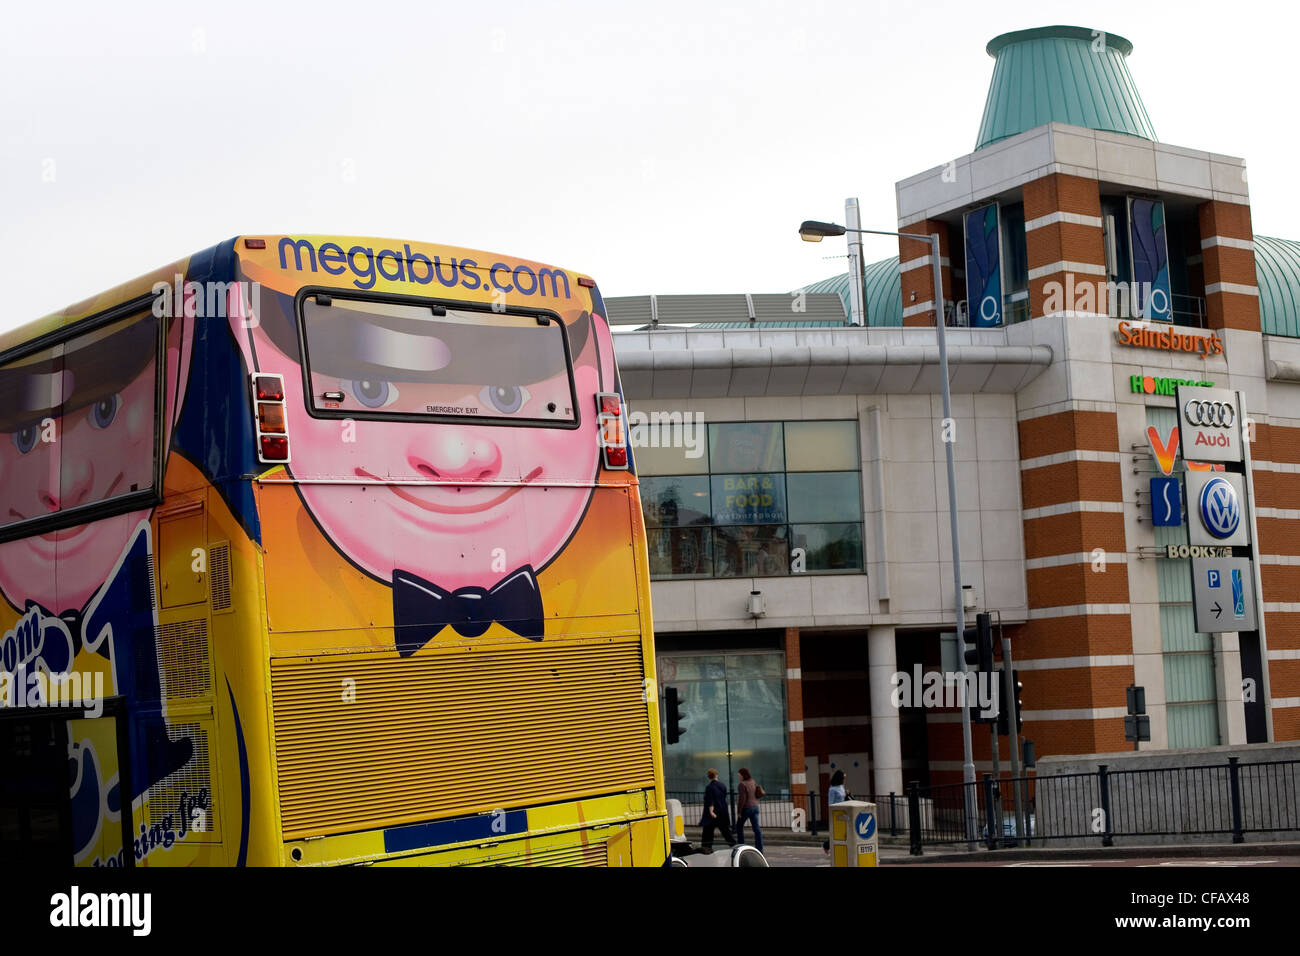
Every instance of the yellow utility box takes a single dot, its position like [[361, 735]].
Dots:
[[855, 838]]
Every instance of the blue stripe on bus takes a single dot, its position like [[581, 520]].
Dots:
[[243, 781], [458, 830]]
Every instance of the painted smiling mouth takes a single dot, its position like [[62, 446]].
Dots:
[[451, 509], [72, 532]]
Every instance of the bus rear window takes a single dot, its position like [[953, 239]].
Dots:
[[384, 359], [78, 425]]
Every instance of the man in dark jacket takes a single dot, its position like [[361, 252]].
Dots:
[[716, 813]]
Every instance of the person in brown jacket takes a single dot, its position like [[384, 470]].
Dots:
[[747, 808]]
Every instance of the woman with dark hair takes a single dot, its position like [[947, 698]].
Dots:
[[837, 793], [747, 808]]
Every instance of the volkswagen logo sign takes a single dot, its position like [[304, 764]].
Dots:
[[1220, 509], [1220, 414]]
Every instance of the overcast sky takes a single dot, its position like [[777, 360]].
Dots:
[[662, 147]]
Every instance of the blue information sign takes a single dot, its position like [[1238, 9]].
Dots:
[[865, 825], [1166, 502]]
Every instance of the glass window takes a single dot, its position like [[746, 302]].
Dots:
[[676, 501], [30, 418], [821, 446], [827, 497], [680, 552], [748, 499], [751, 551], [691, 667], [734, 717], [746, 447], [109, 421], [80, 421], [829, 547], [755, 665], [1016, 266], [757, 730], [667, 461], [747, 516], [388, 359]]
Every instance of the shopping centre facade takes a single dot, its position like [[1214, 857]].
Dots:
[[791, 449]]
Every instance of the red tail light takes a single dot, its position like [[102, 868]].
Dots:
[[268, 388], [274, 448], [612, 430], [272, 424]]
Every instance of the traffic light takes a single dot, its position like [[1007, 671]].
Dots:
[[673, 710], [980, 639], [980, 655], [1003, 714]]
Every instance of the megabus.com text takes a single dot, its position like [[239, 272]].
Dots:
[[367, 266]]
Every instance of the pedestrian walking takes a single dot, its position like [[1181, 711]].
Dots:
[[716, 814], [837, 793], [747, 808]]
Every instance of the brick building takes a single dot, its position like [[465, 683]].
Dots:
[[801, 546]]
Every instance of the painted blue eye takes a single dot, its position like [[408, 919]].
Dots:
[[506, 399], [25, 438], [374, 393], [104, 411]]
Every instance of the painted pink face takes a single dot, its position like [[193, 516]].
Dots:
[[99, 450], [523, 488], [91, 454]]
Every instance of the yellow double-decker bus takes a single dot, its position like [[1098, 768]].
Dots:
[[320, 550]]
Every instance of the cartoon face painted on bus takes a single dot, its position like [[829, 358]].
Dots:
[[458, 533], [78, 427]]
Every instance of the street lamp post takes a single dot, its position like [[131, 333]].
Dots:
[[813, 231]]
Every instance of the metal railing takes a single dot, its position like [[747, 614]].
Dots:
[[1223, 800], [801, 812]]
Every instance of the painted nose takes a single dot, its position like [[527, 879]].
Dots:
[[76, 480], [456, 456]]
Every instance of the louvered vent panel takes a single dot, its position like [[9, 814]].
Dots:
[[629, 310], [817, 307], [183, 648], [219, 575], [593, 854], [153, 583], [703, 308], [449, 734], [193, 781]]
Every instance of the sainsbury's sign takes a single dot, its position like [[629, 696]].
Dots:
[[1139, 336]]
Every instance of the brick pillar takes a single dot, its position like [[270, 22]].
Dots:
[[1064, 246], [794, 714], [1078, 608], [1228, 261], [916, 274]]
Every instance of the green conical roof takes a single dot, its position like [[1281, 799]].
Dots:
[[1063, 75], [884, 294]]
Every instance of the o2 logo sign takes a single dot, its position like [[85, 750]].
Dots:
[[1220, 508]]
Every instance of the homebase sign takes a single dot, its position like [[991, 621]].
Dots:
[[1151, 385]]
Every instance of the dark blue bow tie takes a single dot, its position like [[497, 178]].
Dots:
[[421, 609]]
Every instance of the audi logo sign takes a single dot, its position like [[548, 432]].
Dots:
[[1209, 424], [1220, 414]]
